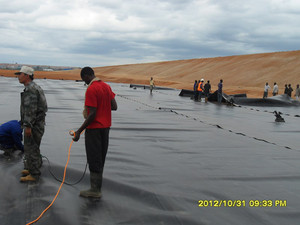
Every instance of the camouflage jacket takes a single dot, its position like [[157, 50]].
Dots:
[[33, 105]]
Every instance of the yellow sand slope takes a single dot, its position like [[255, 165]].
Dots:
[[241, 74]]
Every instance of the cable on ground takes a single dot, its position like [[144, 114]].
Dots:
[[63, 181]]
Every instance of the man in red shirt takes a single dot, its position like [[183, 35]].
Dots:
[[99, 101]]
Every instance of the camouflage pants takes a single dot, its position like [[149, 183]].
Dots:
[[33, 160]]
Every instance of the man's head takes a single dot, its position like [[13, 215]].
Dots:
[[25, 75], [87, 74]]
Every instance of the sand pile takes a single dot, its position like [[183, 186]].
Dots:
[[241, 74]]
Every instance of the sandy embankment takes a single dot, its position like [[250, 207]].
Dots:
[[241, 74]]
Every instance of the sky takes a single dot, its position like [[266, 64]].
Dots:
[[116, 32]]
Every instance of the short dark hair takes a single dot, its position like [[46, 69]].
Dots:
[[87, 71]]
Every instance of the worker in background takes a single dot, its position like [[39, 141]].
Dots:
[[196, 90], [266, 89], [207, 88], [220, 91], [11, 137], [152, 85], [275, 89], [200, 89], [297, 94], [286, 89], [290, 90]]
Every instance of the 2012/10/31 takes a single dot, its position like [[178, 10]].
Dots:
[[221, 203]]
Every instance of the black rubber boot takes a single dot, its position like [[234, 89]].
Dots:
[[95, 190]]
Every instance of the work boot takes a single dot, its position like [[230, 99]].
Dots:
[[28, 178], [95, 190], [25, 172]]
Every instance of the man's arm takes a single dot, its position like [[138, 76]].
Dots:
[[86, 123], [30, 110], [114, 105]]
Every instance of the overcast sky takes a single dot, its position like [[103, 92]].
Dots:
[[115, 32]]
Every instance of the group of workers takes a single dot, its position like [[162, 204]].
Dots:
[[287, 90], [99, 101], [202, 89]]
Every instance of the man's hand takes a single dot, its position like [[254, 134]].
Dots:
[[28, 131], [76, 136]]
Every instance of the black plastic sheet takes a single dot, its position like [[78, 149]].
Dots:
[[273, 101], [166, 153]]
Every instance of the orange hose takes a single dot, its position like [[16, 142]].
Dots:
[[65, 170]]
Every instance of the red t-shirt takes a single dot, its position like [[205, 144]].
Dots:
[[99, 95]]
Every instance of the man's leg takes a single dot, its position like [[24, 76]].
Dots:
[[196, 96], [96, 142], [33, 159], [200, 96], [220, 97], [265, 94]]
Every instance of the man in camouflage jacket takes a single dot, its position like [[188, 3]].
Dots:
[[33, 112]]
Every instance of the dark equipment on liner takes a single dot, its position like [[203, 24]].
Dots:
[[278, 117]]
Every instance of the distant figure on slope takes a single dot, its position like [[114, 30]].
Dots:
[[290, 90], [286, 89], [196, 90], [207, 88], [297, 94], [267, 87], [275, 89], [220, 90], [152, 85], [200, 89]]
